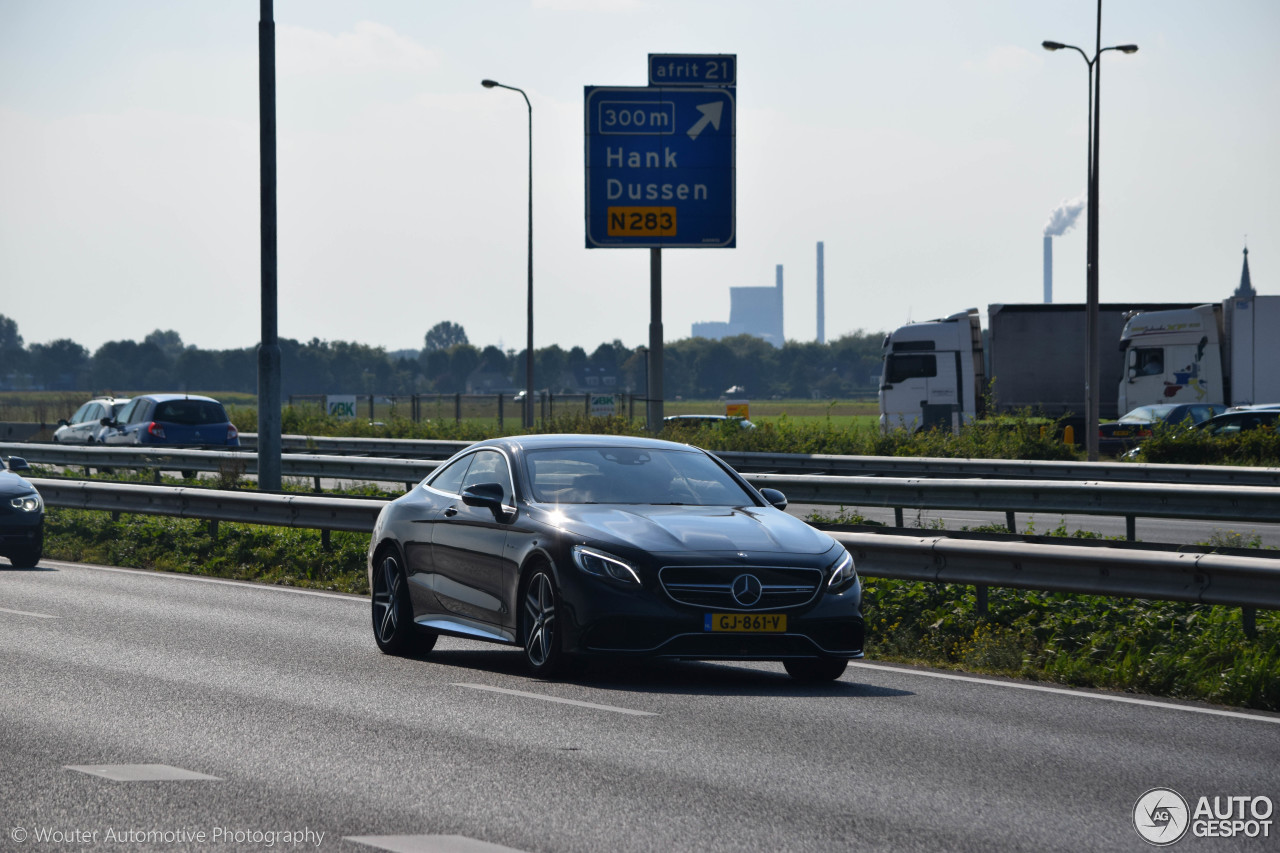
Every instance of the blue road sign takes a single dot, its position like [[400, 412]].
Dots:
[[693, 69], [660, 167]]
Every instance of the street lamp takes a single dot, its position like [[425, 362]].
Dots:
[[1092, 390], [528, 368]]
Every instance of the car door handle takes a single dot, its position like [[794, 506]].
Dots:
[[451, 512]]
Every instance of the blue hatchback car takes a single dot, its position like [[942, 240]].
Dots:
[[172, 419]]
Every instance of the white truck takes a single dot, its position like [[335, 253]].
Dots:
[[1226, 353], [936, 373]]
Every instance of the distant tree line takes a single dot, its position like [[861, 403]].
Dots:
[[697, 368]]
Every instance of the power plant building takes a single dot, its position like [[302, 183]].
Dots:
[[752, 311]]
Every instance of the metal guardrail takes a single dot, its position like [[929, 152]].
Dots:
[[364, 468], [308, 511], [1258, 504], [1147, 500], [1226, 579], [817, 463], [1231, 580]]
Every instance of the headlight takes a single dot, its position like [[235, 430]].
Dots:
[[604, 565], [843, 572], [28, 503]]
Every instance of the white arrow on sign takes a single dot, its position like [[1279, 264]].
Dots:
[[710, 115]]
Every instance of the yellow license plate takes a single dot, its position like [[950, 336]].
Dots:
[[746, 623]]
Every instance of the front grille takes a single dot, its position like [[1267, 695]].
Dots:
[[712, 586]]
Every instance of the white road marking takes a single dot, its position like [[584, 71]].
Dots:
[[27, 613], [1064, 691], [429, 844], [546, 698], [140, 772]]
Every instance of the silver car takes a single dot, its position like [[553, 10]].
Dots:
[[85, 426]]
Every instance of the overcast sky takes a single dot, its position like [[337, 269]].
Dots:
[[926, 142]]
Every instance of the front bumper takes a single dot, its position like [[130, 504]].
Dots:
[[19, 530], [609, 620]]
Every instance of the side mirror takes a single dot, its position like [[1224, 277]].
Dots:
[[1132, 373], [774, 497], [484, 494], [110, 422], [17, 463], [63, 422]]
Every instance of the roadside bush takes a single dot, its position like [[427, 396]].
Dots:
[[1256, 447]]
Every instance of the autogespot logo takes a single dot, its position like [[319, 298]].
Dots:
[[1161, 816]]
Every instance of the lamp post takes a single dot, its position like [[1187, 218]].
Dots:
[[1092, 389], [528, 368]]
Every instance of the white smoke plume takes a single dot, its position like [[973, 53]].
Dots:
[[1064, 216]]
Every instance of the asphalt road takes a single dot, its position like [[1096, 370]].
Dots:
[[304, 727]]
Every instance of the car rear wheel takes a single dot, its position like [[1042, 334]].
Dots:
[[540, 626], [393, 626], [815, 669]]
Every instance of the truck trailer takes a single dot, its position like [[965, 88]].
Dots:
[[941, 372]]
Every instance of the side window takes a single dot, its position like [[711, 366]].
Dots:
[[95, 412], [141, 412], [81, 415], [903, 367], [449, 478], [490, 467], [127, 412], [1149, 361]]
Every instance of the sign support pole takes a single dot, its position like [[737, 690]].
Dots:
[[653, 410]]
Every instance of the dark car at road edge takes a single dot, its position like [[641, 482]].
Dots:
[[21, 516]]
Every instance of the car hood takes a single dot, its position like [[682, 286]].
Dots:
[[11, 485], [691, 528]]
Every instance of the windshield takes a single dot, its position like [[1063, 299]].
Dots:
[[1147, 414], [629, 475], [190, 412]]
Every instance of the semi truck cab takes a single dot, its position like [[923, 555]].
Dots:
[[1172, 357], [932, 374]]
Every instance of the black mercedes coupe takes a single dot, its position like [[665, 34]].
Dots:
[[574, 545]]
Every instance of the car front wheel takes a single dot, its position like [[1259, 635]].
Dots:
[[541, 627], [815, 669], [27, 556]]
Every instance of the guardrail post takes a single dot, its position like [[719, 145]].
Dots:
[[1249, 621], [213, 529], [981, 600], [1131, 528], [897, 516], [324, 540], [501, 428], [1011, 522], [457, 408]]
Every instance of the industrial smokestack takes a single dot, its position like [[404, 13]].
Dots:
[[1048, 269], [782, 335], [822, 324], [1061, 220]]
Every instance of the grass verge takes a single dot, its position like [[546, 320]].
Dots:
[[1162, 648]]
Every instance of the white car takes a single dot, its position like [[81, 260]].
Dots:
[[85, 426]]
